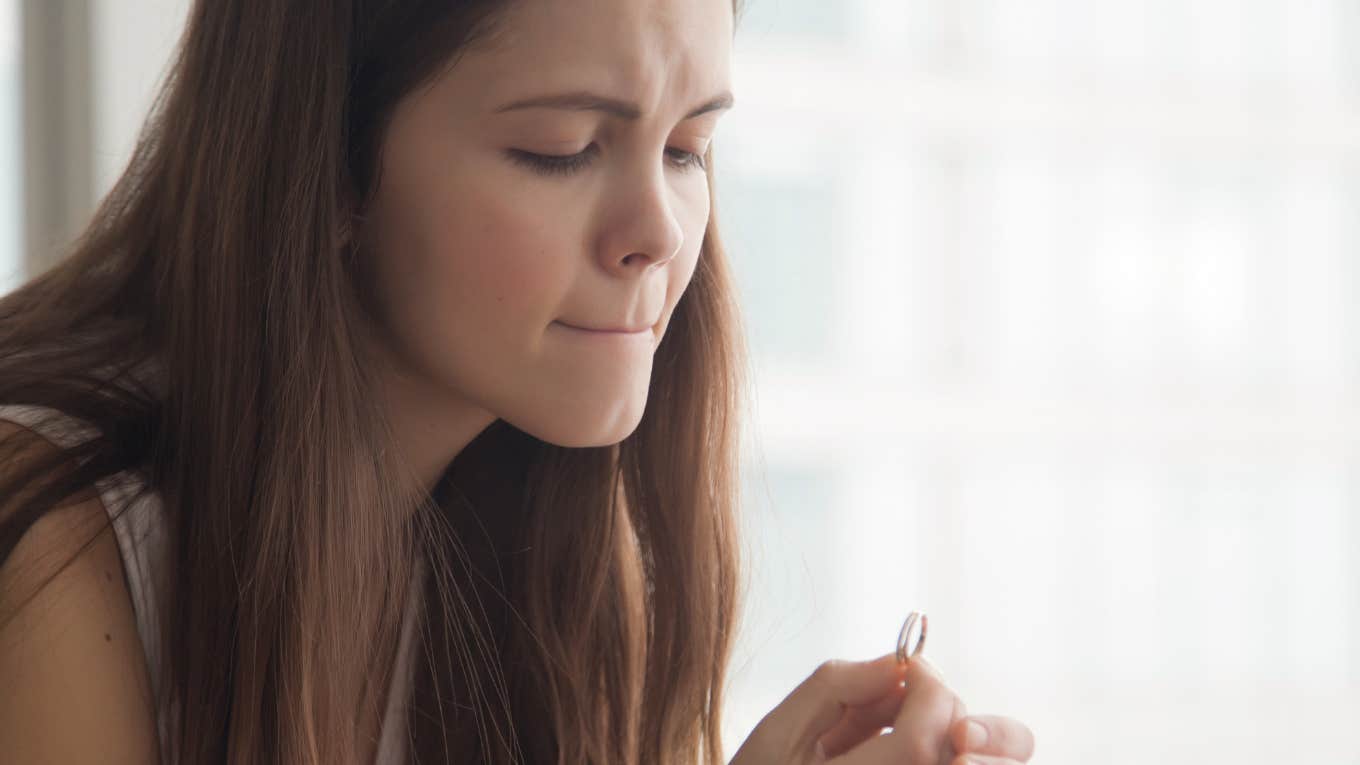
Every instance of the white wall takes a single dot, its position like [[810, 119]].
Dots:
[[11, 179], [132, 46], [1054, 304]]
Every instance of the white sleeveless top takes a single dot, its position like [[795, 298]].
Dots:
[[141, 535]]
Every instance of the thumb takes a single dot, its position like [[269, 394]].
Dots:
[[819, 701]]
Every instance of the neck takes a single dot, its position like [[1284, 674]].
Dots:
[[430, 423]]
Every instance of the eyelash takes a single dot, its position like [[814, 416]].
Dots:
[[551, 164]]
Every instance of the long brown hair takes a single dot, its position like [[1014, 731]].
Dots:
[[581, 603]]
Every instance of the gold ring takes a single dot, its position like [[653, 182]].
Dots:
[[904, 636]]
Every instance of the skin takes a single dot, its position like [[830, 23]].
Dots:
[[837, 717], [479, 256], [478, 259]]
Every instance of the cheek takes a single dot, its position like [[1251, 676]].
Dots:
[[472, 292], [497, 268], [476, 267], [694, 225]]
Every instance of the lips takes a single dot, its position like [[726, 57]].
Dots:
[[622, 330]]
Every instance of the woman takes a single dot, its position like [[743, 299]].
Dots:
[[409, 375]]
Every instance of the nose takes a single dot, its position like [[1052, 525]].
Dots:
[[643, 232]]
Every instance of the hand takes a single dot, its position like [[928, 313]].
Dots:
[[837, 714]]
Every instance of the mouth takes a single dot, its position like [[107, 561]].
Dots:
[[625, 332]]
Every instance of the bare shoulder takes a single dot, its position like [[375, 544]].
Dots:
[[76, 687]]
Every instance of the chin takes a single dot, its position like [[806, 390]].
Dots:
[[572, 431]]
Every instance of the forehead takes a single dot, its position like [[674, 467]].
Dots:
[[643, 50]]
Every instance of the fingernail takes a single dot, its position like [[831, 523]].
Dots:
[[976, 735]]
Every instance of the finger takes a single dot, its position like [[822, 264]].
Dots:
[[819, 701], [900, 748], [920, 728], [983, 759], [1001, 736], [861, 722], [922, 724]]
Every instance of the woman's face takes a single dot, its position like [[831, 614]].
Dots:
[[484, 264]]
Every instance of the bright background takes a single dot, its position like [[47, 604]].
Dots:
[[11, 179], [1054, 311]]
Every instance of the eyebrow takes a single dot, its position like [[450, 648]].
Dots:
[[582, 100]]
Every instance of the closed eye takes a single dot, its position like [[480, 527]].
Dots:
[[555, 164]]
